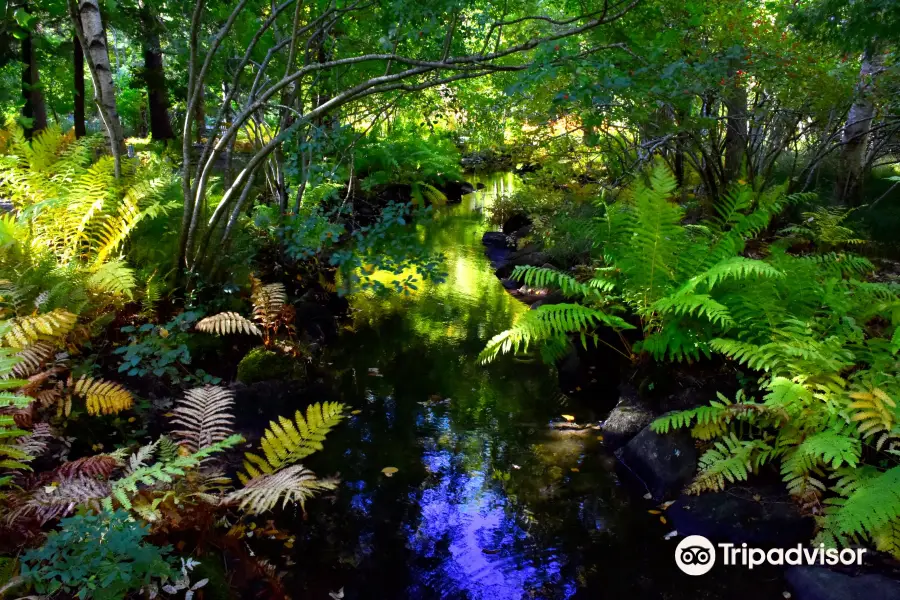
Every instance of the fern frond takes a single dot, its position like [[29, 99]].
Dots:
[[226, 323], [103, 397], [287, 442], [291, 484], [113, 278], [547, 322], [268, 301], [52, 327], [540, 277], [204, 416]]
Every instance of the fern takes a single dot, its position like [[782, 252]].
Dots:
[[52, 326], [203, 417], [547, 322], [729, 460], [290, 484], [103, 397], [226, 323], [123, 489], [287, 442], [540, 277]]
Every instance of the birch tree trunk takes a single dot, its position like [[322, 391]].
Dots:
[[855, 137], [92, 34]]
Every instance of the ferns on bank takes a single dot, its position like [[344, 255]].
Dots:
[[287, 442]]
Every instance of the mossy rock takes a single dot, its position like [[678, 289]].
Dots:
[[261, 364]]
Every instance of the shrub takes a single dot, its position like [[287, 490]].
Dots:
[[102, 556]]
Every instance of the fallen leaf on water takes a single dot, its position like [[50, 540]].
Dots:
[[648, 496], [600, 438], [670, 535], [654, 512], [568, 417], [662, 520], [757, 497], [786, 594], [389, 471], [337, 595], [575, 470], [515, 466], [355, 412], [490, 550], [666, 505]]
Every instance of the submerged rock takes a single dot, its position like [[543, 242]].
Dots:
[[757, 515], [662, 463], [496, 239], [626, 420], [820, 583]]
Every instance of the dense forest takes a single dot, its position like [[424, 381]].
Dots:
[[447, 298]]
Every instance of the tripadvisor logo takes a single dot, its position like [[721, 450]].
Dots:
[[696, 555]]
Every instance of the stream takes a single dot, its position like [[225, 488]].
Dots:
[[488, 501]]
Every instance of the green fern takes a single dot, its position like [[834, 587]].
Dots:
[[287, 442], [548, 322]]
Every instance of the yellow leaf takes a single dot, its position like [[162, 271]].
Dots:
[[655, 512], [389, 471], [662, 520], [568, 417], [355, 412], [163, 332], [575, 470]]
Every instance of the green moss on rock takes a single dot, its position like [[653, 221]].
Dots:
[[261, 364]]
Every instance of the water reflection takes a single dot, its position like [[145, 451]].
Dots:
[[487, 502]]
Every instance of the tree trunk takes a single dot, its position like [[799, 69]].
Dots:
[[35, 110], [855, 137], [78, 63], [736, 129], [89, 26], [200, 117], [155, 77]]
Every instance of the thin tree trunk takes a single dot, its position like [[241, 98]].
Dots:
[[78, 64], [200, 117], [35, 110], [855, 137], [155, 77], [89, 26], [736, 129]]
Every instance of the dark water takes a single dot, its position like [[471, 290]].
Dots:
[[488, 501]]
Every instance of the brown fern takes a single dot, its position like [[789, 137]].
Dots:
[[203, 417], [226, 323], [291, 484]]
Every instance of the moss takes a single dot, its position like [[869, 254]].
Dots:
[[261, 364]]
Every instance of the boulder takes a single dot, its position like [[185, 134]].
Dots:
[[820, 583], [662, 463], [626, 420], [763, 516], [529, 255], [455, 190], [261, 364], [516, 222]]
